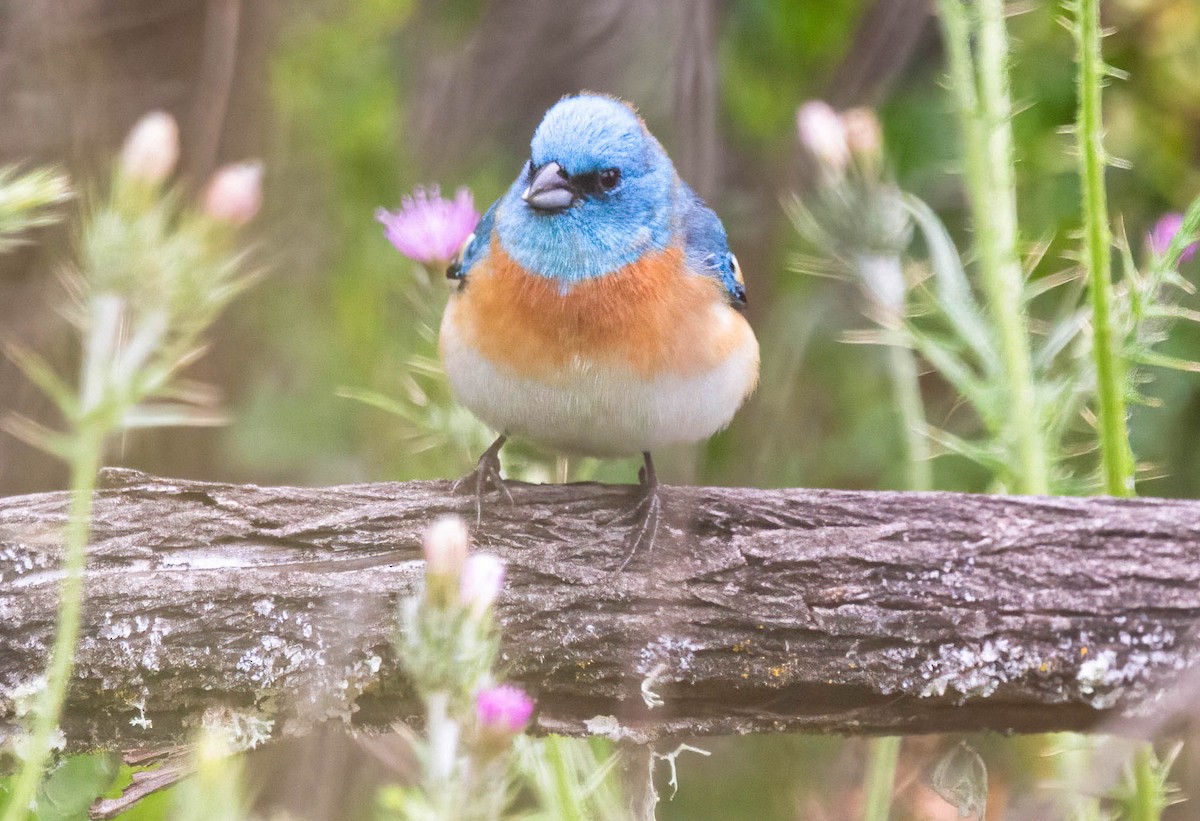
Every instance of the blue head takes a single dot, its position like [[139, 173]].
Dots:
[[596, 193]]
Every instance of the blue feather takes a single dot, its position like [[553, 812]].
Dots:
[[706, 247]]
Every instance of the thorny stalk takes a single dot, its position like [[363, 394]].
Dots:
[[1116, 456], [85, 462], [981, 90]]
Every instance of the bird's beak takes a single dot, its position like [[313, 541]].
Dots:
[[550, 190]]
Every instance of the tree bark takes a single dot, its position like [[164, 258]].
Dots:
[[758, 610]]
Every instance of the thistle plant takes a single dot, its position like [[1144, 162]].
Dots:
[[1031, 392], [474, 760], [429, 230], [1147, 299], [980, 84], [150, 276], [857, 218], [1112, 423]]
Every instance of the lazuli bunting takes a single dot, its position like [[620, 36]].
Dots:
[[599, 306]]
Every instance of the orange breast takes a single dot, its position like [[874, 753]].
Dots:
[[651, 316]]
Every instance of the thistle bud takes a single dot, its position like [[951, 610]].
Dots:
[[482, 580], [234, 194], [446, 544], [823, 134], [151, 149], [864, 137]]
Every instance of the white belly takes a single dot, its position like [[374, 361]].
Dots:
[[600, 409]]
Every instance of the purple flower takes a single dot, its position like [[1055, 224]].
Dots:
[[503, 710], [1159, 239], [429, 228]]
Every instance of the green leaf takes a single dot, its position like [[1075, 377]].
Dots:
[[1161, 360], [953, 290], [39, 436], [38, 371], [170, 415], [67, 792]]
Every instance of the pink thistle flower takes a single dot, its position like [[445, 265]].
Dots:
[[503, 710], [429, 228], [1159, 238]]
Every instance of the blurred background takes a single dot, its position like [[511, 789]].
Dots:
[[352, 104]]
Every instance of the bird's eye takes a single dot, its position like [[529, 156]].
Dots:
[[609, 178]]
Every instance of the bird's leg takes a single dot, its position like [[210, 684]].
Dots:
[[486, 472], [646, 514]]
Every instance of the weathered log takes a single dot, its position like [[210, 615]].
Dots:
[[758, 610]]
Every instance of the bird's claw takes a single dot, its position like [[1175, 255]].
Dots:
[[644, 518], [485, 474]]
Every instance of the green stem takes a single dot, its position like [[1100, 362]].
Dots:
[[985, 106], [1073, 765], [906, 387], [883, 276], [881, 776], [1115, 453], [84, 465], [956, 32], [1147, 786]]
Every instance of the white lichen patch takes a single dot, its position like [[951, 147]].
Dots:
[[18, 560], [975, 670], [240, 730], [111, 630], [1104, 668], [1106, 675], [674, 655], [1100, 677], [272, 658], [137, 641], [21, 699], [606, 726]]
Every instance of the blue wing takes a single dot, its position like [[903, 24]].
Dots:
[[706, 247], [475, 247]]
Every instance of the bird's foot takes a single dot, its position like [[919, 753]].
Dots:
[[485, 474], [644, 517]]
